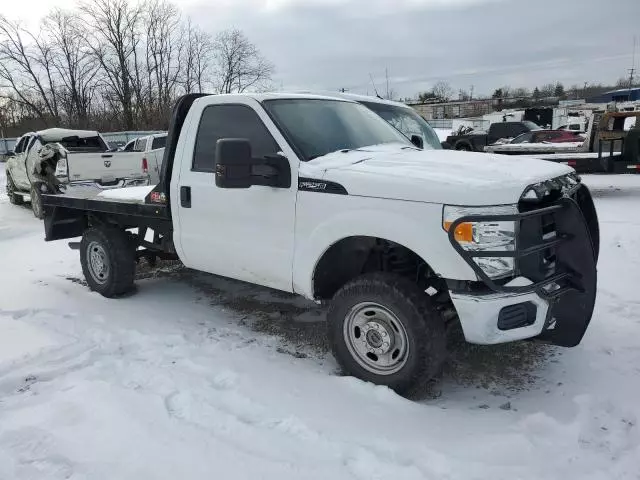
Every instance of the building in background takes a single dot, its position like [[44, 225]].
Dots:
[[620, 95]]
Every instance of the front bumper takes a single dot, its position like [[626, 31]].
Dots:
[[480, 316], [554, 294]]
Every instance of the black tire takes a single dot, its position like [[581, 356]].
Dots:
[[421, 322], [115, 250], [36, 201], [14, 198], [464, 147]]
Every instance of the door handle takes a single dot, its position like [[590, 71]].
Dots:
[[185, 197], [107, 156]]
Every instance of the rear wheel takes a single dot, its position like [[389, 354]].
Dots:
[[383, 329], [108, 260], [465, 147], [36, 200], [14, 198]]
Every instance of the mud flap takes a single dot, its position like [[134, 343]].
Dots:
[[570, 313]]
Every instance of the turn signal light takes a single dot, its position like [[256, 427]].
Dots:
[[463, 232]]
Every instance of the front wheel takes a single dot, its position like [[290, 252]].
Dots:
[[384, 329], [108, 260], [14, 198]]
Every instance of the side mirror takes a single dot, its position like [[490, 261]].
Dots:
[[233, 163], [417, 141], [445, 145], [236, 168]]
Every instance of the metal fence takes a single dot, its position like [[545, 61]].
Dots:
[[114, 138], [7, 145]]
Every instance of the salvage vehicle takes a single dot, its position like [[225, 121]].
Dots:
[[610, 145], [151, 150], [477, 140], [50, 160], [321, 197]]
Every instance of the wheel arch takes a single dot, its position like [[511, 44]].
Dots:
[[352, 256], [407, 225]]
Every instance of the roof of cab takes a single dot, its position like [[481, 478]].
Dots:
[[282, 95], [362, 98], [57, 134]]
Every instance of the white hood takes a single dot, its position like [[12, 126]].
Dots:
[[435, 176]]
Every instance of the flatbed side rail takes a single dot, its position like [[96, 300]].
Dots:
[[69, 217]]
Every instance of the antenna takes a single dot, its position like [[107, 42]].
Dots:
[[374, 87]]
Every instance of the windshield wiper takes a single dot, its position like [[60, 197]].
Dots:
[[343, 150]]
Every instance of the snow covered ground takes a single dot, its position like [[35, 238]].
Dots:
[[197, 377]]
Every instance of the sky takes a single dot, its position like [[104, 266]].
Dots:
[[333, 44]]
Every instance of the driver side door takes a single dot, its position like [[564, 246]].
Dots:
[[242, 233]]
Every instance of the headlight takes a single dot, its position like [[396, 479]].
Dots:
[[541, 190], [489, 236]]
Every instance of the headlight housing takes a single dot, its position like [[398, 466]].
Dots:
[[542, 190], [485, 235]]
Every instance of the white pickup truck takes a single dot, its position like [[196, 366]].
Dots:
[[321, 197], [46, 160], [151, 150]]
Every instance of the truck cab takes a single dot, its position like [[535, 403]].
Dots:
[[319, 196]]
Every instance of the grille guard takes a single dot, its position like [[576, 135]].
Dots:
[[571, 228]]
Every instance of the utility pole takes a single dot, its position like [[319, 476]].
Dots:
[[632, 70], [386, 74], [471, 93]]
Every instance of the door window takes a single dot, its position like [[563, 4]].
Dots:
[[21, 144], [230, 121], [159, 142], [140, 144]]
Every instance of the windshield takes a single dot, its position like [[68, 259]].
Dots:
[[318, 127], [407, 121], [531, 125]]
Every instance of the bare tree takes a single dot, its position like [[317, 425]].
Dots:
[[75, 67], [520, 92], [237, 63], [548, 90], [442, 90], [115, 25], [26, 69], [196, 58], [116, 64], [163, 52]]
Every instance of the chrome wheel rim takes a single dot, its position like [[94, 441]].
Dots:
[[98, 262], [376, 338]]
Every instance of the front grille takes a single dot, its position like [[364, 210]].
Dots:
[[536, 230]]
